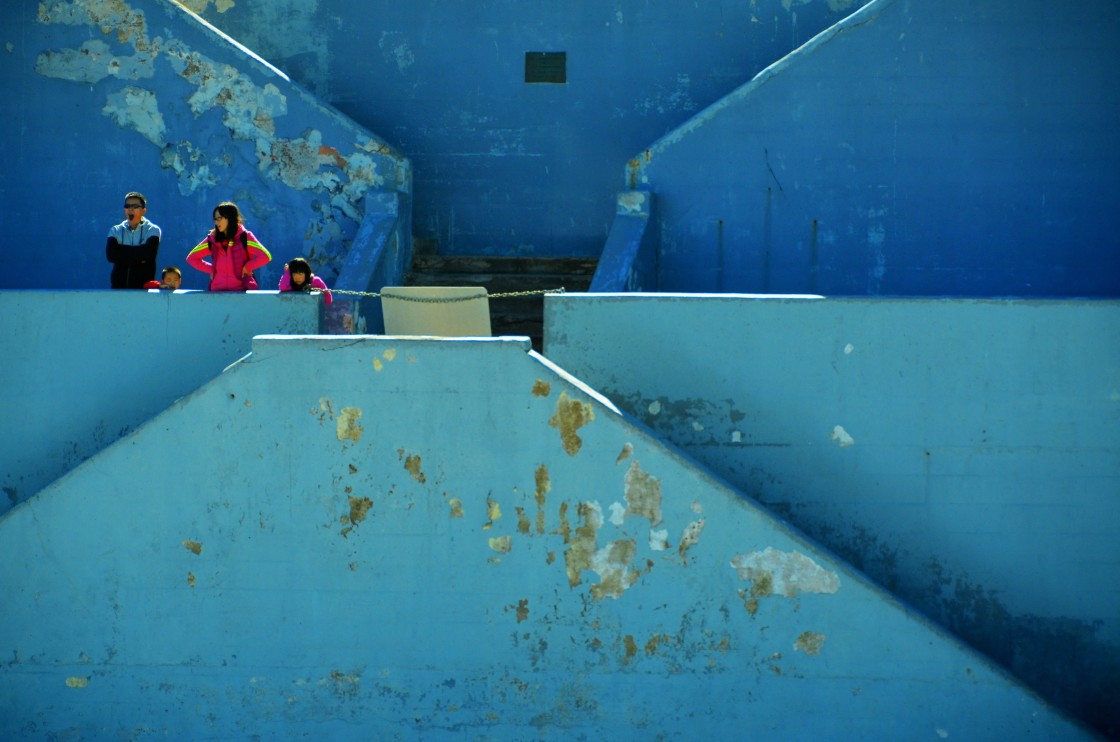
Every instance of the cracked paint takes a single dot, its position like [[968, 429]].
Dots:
[[810, 642], [776, 572], [348, 427], [642, 492], [571, 415]]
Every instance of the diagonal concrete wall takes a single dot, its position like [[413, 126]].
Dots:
[[964, 453], [378, 537], [85, 368], [916, 148]]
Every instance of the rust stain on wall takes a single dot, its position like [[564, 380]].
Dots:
[[348, 427], [642, 494], [810, 642], [193, 546], [570, 416], [543, 487], [541, 388]]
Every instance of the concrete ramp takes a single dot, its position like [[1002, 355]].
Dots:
[[378, 538]]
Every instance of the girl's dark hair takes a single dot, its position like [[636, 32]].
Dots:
[[229, 210], [299, 265]]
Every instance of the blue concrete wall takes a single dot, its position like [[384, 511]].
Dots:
[[965, 453], [85, 368], [293, 550], [917, 148], [101, 97], [502, 166]]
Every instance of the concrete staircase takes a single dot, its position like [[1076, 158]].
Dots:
[[509, 315]]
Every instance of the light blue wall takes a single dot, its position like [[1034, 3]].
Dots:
[[84, 368], [501, 166], [102, 97], [360, 538], [920, 147], [965, 453]]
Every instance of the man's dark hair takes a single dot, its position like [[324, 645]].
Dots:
[[139, 197]]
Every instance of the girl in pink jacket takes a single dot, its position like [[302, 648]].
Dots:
[[234, 252], [298, 277]]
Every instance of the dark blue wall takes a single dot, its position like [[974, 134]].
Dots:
[[919, 148], [502, 166]]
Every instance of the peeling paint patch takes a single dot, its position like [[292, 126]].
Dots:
[[581, 547], [377, 365], [92, 62], [618, 514], [192, 546], [810, 642], [631, 647], [456, 507], [571, 415], [326, 409], [412, 466], [522, 609], [359, 508], [137, 109], [348, 427], [190, 579], [625, 453], [776, 572], [541, 388], [841, 437], [659, 540], [501, 544], [522, 521], [612, 562], [642, 492], [77, 682], [690, 538], [493, 512], [395, 50]]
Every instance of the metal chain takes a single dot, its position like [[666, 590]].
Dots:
[[449, 300]]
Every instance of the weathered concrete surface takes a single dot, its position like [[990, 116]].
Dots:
[[965, 453], [85, 368], [379, 538], [917, 148]]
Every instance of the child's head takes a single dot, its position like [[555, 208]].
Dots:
[[172, 277], [299, 273]]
